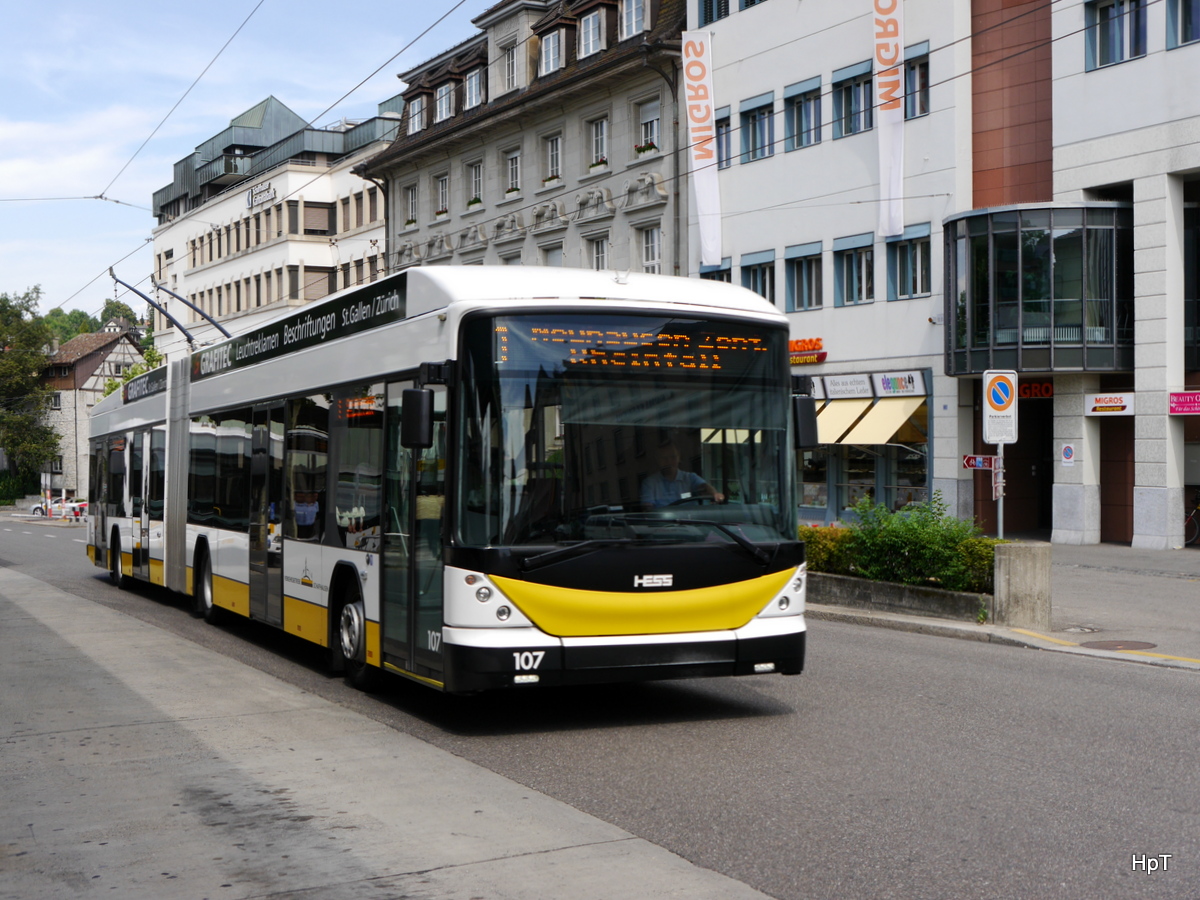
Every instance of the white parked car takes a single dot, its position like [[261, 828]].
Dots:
[[75, 509]]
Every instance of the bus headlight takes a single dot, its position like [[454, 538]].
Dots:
[[503, 613], [785, 602], [484, 594]]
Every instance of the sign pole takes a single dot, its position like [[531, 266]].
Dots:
[[999, 427], [1000, 499]]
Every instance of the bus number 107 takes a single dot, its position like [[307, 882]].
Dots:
[[528, 660]]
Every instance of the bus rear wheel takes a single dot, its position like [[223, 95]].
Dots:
[[202, 597], [352, 643]]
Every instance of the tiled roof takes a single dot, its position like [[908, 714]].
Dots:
[[83, 345]]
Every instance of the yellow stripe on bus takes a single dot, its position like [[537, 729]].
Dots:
[[566, 612], [127, 564], [374, 656], [156, 572], [306, 620], [92, 554], [231, 595]]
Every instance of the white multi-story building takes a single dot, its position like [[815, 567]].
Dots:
[[265, 215], [798, 157], [1049, 227], [549, 138]]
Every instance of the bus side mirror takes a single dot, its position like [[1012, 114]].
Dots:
[[804, 415], [416, 422]]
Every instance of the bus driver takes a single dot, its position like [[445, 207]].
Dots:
[[670, 484]]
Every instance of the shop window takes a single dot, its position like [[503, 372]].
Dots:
[[814, 479]]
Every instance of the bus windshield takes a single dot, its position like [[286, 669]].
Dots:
[[623, 427]]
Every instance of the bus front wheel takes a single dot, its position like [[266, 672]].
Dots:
[[352, 644], [114, 561]]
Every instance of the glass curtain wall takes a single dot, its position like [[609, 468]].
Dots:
[[1040, 289]]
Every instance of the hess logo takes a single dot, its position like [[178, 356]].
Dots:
[[652, 580]]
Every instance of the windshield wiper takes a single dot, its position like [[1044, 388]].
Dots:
[[753, 549], [559, 553]]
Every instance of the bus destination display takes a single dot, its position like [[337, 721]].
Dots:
[[528, 343]]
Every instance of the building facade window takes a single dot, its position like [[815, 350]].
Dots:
[[916, 87], [633, 18], [908, 268], [410, 204], [473, 89], [416, 115], [724, 143], [445, 102], [591, 33], [441, 190], [711, 10], [758, 132], [803, 119], [550, 57], [1040, 288], [597, 249], [512, 171], [56, 397], [474, 183], [804, 282], [722, 273], [758, 274], [648, 119], [553, 156], [651, 241], [853, 111], [598, 129], [854, 275], [1186, 25], [1117, 30], [509, 64]]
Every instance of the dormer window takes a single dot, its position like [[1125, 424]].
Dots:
[[633, 18], [416, 115], [509, 68], [473, 89], [445, 102], [591, 33], [551, 54]]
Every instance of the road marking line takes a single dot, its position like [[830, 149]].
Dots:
[[1159, 655], [1042, 637]]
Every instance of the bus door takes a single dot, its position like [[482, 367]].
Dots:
[[139, 511], [266, 496], [415, 490]]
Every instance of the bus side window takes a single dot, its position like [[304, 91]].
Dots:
[[305, 463]]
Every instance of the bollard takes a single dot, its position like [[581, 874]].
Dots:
[[1022, 585]]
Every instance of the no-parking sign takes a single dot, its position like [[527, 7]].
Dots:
[[999, 407]]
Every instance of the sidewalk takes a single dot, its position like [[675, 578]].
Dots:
[[1138, 605], [137, 764]]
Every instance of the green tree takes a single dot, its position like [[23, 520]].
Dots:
[[65, 325], [115, 309], [29, 442]]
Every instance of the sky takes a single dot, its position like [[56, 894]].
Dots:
[[85, 85]]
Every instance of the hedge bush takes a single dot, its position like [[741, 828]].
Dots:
[[920, 544]]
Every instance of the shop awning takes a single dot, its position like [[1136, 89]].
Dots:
[[884, 420], [836, 417]]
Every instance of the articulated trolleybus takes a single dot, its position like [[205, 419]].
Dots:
[[478, 478]]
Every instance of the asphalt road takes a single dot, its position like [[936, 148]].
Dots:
[[899, 765]]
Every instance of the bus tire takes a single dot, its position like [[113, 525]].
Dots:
[[114, 561], [203, 606], [352, 643]]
